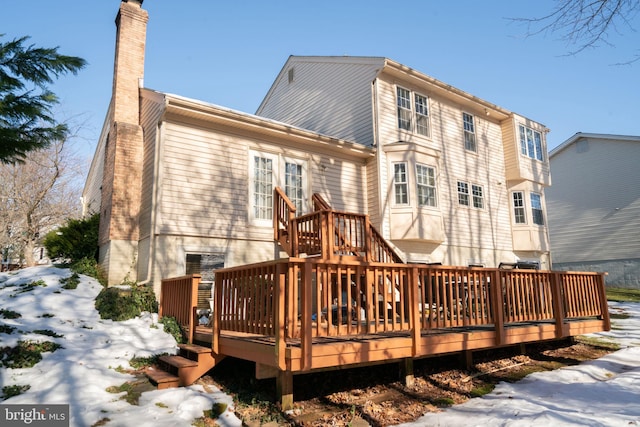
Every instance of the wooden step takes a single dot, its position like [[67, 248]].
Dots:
[[194, 348], [162, 379], [179, 361]]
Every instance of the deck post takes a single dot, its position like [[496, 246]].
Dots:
[[497, 303], [406, 371], [562, 330], [284, 389], [217, 313], [604, 306], [306, 327], [280, 318], [416, 324]]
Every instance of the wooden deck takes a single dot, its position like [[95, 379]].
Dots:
[[343, 299]]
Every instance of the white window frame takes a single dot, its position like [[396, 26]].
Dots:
[[278, 179], [531, 143], [519, 208], [463, 193], [400, 198], [470, 195], [412, 109], [427, 185], [469, 130], [298, 200], [403, 102], [537, 211], [423, 126], [477, 196]]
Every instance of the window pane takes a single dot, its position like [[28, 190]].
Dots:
[[523, 141], [536, 209], [469, 132], [425, 177], [530, 146], [538, 144], [400, 183], [518, 208], [404, 109], [422, 115], [293, 184], [263, 188], [463, 193], [478, 199]]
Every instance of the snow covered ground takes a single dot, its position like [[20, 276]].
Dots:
[[79, 373], [603, 392]]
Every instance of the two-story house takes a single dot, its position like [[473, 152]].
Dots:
[[186, 186]]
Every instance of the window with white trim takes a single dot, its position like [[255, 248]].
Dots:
[[400, 183], [469, 133], [404, 108], [426, 185], [518, 207], [478, 196], [536, 209], [413, 117], [463, 193], [473, 198], [266, 171], [263, 183], [531, 143], [422, 114], [293, 184]]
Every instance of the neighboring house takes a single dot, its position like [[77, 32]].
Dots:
[[594, 206], [184, 186]]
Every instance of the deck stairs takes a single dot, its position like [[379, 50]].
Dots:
[[192, 362]]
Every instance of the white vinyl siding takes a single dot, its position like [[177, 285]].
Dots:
[[329, 95], [593, 206]]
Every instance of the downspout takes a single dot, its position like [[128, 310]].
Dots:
[[155, 189], [377, 145]]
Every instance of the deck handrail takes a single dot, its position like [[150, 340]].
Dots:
[[351, 298], [179, 299]]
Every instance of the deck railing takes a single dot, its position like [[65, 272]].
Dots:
[[179, 299], [307, 298], [328, 232]]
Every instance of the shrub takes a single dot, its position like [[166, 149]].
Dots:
[[123, 304], [13, 390], [70, 282], [26, 353], [76, 240], [88, 267], [172, 328]]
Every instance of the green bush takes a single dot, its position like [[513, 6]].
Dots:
[[26, 353], [76, 240], [70, 282], [172, 327], [123, 304], [88, 267], [14, 390]]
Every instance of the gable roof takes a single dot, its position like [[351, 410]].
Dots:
[[582, 135], [383, 64]]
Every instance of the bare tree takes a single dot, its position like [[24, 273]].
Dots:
[[35, 196], [587, 23]]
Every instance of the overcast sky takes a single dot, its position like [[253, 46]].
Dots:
[[229, 52]]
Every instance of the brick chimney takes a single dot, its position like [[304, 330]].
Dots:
[[122, 177]]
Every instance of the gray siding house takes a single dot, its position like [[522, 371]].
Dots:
[[594, 206]]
